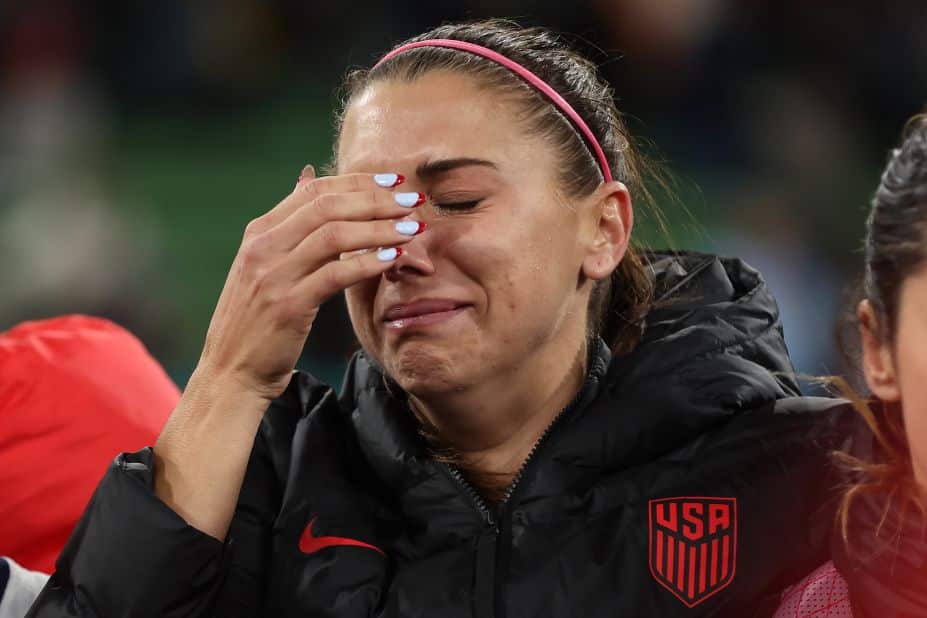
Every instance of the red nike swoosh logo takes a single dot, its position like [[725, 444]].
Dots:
[[308, 543]]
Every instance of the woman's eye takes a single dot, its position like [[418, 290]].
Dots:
[[457, 205]]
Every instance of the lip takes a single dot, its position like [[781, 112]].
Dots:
[[422, 312]]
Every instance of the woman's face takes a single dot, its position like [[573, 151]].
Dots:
[[495, 279], [896, 369]]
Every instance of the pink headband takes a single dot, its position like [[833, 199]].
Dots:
[[525, 74]]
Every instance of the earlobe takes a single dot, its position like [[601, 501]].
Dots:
[[877, 358], [614, 221]]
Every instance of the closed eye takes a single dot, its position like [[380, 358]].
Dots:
[[458, 206]]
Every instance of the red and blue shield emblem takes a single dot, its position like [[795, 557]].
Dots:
[[693, 545]]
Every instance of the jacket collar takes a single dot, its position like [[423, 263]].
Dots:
[[388, 432]]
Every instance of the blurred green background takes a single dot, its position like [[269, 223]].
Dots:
[[137, 140]]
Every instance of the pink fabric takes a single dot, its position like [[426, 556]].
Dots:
[[823, 594], [525, 74]]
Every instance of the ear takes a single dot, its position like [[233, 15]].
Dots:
[[878, 362], [612, 218]]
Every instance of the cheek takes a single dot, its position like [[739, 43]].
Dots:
[[359, 299], [521, 268], [911, 359]]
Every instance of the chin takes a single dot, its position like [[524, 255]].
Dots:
[[426, 369]]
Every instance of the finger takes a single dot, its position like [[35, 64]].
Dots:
[[333, 277], [335, 238], [331, 207], [308, 171], [261, 224], [310, 188]]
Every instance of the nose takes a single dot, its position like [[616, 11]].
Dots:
[[415, 259]]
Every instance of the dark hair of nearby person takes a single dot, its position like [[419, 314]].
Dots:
[[895, 248]]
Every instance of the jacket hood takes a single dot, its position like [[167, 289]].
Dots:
[[711, 307], [712, 348]]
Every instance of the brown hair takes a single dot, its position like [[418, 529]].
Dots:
[[618, 304], [894, 250]]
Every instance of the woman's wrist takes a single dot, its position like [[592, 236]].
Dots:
[[201, 455], [210, 383]]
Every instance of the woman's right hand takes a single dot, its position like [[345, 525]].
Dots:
[[313, 244], [290, 262]]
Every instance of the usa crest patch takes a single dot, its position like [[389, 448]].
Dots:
[[693, 545]]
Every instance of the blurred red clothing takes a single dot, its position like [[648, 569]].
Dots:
[[75, 391]]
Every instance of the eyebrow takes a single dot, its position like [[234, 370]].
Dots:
[[430, 169]]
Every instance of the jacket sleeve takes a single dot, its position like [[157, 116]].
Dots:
[[131, 555]]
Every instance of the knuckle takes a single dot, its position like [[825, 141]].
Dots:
[[253, 259], [250, 252], [261, 244], [311, 189], [308, 217], [254, 227], [359, 267], [330, 235], [325, 205], [387, 229], [331, 277], [328, 280]]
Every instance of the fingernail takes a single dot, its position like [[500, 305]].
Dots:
[[389, 180], [388, 255], [410, 228], [409, 200], [308, 172]]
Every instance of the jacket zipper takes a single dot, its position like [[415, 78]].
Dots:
[[475, 496], [487, 550], [537, 444], [478, 500], [484, 575], [486, 546], [534, 449]]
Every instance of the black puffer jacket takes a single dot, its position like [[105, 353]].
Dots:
[[687, 479]]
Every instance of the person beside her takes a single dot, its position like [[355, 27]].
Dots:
[[879, 565], [75, 390], [542, 421]]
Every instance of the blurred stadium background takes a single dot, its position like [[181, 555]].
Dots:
[[138, 139]]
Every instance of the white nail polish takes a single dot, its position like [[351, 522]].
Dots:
[[388, 255], [408, 200], [386, 180], [408, 228]]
